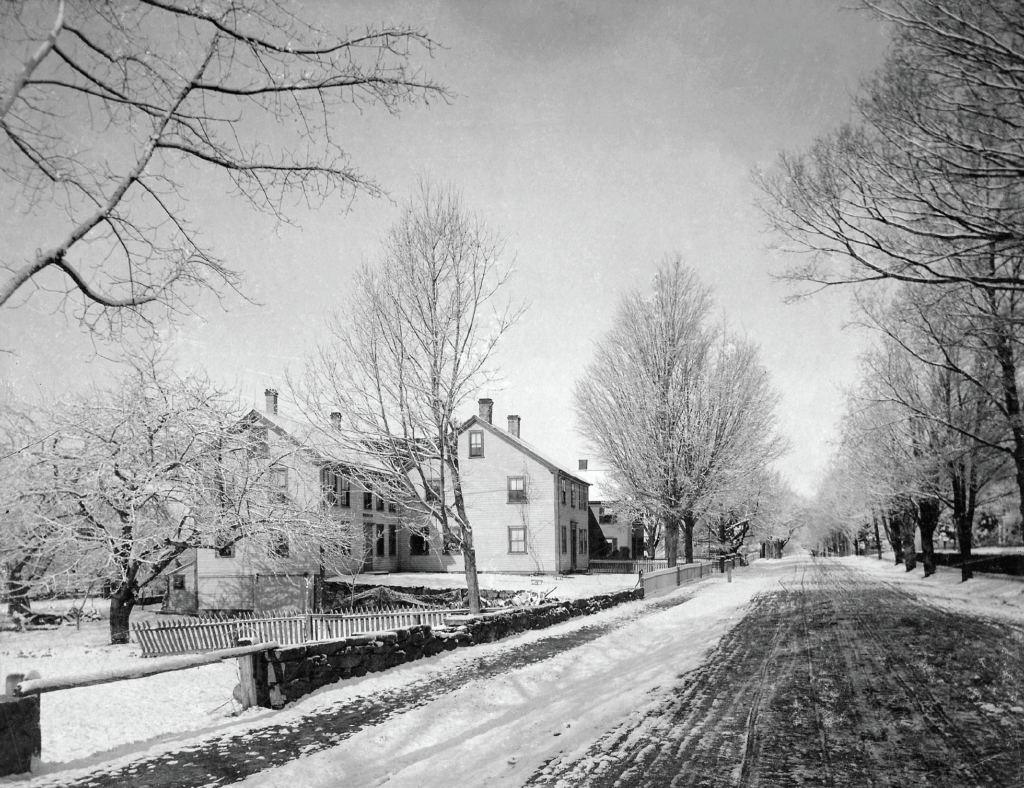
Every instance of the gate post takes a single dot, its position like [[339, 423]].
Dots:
[[21, 737]]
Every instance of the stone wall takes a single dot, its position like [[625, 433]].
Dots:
[[288, 673]]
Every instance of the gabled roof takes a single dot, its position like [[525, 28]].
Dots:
[[599, 483], [314, 442], [523, 446]]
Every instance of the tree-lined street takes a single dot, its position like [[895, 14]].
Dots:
[[802, 672]]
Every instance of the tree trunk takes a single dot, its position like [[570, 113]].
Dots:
[[122, 601], [465, 534], [472, 581], [964, 498], [907, 529], [1004, 348], [928, 520], [671, 531], [878, 536], [689, 526], [17, 591], [892, 535]]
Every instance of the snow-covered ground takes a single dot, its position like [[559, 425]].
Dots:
[[555, 586], [87, 725], [499, 732], [496, 731], [999, 596], [82, 722]]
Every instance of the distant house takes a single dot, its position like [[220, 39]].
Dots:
[[623, 537], [529, 514]]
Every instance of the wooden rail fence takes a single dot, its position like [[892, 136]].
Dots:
[[186, 636]]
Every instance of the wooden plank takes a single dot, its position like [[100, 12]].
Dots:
[[37, 686]]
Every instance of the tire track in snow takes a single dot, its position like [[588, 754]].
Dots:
[[836, 680]]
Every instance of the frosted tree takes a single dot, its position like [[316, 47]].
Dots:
[[938, 362], [118, 483], [678, 410], [406, 353], [114, 115]]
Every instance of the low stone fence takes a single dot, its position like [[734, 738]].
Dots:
[[288, 673]]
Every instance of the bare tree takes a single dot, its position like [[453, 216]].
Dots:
[[927, 187], [950, 364], [119, 110], [680, 411], [407, 353], [119, 483]]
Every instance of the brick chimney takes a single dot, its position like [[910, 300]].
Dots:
[[336, 419], [486, 409], [271, 395], [583, 465], [513, 425]]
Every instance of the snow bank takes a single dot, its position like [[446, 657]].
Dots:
[[998, 596]]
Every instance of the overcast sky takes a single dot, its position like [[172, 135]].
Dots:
[[598, 137]]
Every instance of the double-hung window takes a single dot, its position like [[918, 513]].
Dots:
[[517, 489], [476, 443], [419, 541], [517, 539], [337, 489]]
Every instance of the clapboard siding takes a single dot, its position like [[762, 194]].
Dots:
[[486, 491]]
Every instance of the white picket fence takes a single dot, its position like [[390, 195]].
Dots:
[[626, 566], [187, 636], [662, 581]]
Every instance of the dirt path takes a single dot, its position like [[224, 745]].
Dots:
[[229, 758], [835, 679]]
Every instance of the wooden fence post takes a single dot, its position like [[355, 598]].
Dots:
[[21, 736], [247, 671]]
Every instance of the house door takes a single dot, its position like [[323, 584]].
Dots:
[[572, 545], [368, 547]]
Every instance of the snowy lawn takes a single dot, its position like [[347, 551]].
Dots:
[[82, 722]]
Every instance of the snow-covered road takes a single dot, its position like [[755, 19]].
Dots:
[[492, 714], [500, 730], [549, 706]]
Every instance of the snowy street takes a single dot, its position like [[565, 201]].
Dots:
[[798, 672], [491, 713]]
